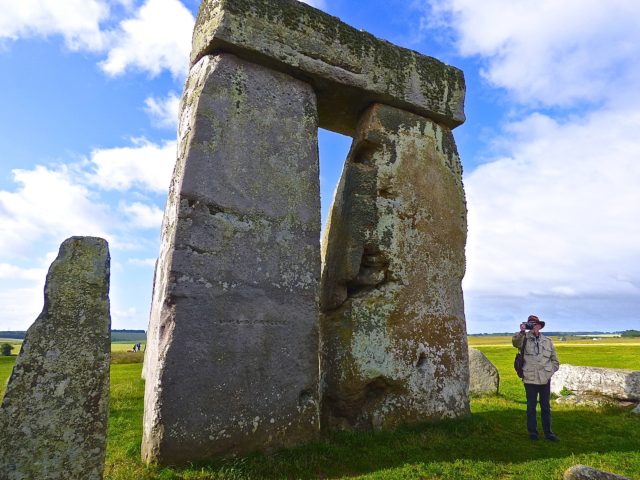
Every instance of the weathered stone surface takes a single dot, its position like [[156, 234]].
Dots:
[[349, 69], [393, 334], [610, 382], [592, 400], [484, 378], [582, 472], [232, 356], [53, 419], [636, 410]]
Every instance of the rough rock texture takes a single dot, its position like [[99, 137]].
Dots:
[[349, 68], [582, 472], [636, 410], [232, 356], [53, 419], [484, 378], [591, 400], [393, 334], [610, 382]]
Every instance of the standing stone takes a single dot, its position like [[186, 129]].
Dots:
[[232, 357], [53, 420], [484, 378], [393, 334]]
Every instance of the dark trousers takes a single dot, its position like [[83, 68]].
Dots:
[[533, 393]]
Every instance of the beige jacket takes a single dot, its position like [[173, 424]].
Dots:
[[539, 363]]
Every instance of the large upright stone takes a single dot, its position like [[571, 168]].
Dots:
[[393, 333], [232, 356], [53, 419], [350, 69]]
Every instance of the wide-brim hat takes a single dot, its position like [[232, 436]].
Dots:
[[534, 319]]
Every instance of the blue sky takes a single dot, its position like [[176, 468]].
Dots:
[[551, 152]]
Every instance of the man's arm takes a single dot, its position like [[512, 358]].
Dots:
[[518, 338], [554, 358]]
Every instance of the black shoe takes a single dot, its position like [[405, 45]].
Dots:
[[533, 436], [552, 437]]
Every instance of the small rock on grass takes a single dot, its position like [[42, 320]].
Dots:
[[582, 472]]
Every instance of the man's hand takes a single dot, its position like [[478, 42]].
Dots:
[[522, 327]]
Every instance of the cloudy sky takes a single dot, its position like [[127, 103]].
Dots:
[[89, 91]]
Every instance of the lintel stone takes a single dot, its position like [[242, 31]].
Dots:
[[349, 69]]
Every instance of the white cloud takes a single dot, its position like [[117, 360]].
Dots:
[[557, 216], [20, 306], [552, 225], [14, 272], [47, 204], [143, 262], [164, 111], [158, 37], [145, 165], [152, 38], [549, 52], [142, 215], [78, 21]]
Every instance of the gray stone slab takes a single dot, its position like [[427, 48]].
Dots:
[[231, 363], [349, 68], [53, 419], [615, 383], [393, 333]]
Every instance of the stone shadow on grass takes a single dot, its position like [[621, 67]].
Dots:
[[498, 436]]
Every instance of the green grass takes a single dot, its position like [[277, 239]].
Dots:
[[586, 341], [491, 444]]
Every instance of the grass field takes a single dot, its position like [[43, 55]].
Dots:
[[506, 341], [490, 444]]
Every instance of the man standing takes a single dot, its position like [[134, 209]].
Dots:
[[540, 363]]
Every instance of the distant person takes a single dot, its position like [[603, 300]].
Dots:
[[540, 363]]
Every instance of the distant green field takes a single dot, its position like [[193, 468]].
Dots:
[[124, 346], [132, 336], [490, 444], [488, 340]]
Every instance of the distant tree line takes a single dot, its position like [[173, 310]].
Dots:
[[630, 333], [548, 334], [133, 336], [116, 335], [13, 334]]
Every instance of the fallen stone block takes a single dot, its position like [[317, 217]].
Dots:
[[591, 400], [609, 382]]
